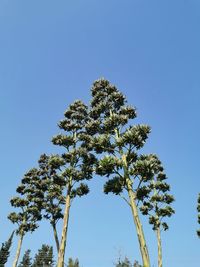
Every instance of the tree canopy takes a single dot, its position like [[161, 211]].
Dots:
[[44, 257], [26, 260], [5, 250]]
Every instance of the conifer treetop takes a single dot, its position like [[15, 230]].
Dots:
[[5, 250], [44, 257], [26, 260]]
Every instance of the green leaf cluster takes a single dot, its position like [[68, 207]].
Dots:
[[155, 199], [26, 260], [29, 203], [44, 257], [53, 199], [5, 250], [73, 263], [78, 160]]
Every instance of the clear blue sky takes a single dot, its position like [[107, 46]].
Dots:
[[50, 53]]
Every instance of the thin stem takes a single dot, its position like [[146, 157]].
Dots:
[[125, 199]]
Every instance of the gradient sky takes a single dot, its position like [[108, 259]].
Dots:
[[50, 53]]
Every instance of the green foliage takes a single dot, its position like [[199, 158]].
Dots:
[[126, 263], [107, 99], [29, 203], [77, 160], [26, 260], [117, 140], [5, 250], [134, 176], [44, 257], [52, 198], [154, 196], [73, 263], [120, 143], [198, 209]]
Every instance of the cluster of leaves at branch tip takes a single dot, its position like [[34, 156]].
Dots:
[[110, 114], [154, 195], [122, 163], [53, 199], [78, 160], [29, 203], [198, 209]]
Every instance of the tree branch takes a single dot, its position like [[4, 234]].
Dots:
[[124, 199]]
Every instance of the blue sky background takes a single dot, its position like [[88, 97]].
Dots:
[[50, 53]]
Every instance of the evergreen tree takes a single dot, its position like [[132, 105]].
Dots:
[[29, 205], [44, 257], [120, 143], [5, 250], [198, 209], [73, 263], [155, 199], [26, 260], [78, 163]]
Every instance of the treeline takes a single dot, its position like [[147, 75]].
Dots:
[[97, 140], [45, 258]]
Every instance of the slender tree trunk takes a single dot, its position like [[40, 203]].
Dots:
[[134, 209], [159, 247], [18, 250], [139, 228], [55, 236], [61, 254]]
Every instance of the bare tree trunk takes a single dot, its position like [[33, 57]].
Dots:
[[61, 254], [139, 228], [18, 250], [56, 236], [159, 247]]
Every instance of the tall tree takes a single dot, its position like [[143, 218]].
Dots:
[[26, 260], [29, 205], [44, 257], [73, 263], [120, 143], [198, 209], [5, 250], [78, 163], [53, 199], [155, 198]]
